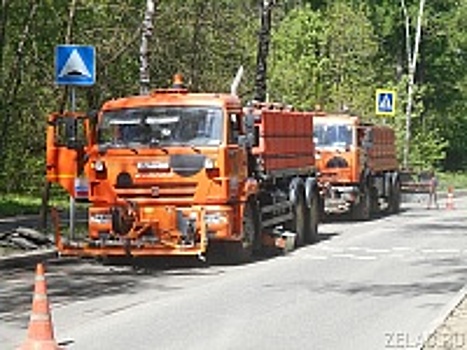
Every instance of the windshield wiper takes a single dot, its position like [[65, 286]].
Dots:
[[186, 144]]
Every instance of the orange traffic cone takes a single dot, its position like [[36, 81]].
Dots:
[[40, 331], [450, 198]]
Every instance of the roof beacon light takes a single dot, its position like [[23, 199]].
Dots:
[[178, 81]]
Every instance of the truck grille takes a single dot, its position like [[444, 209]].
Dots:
[[160, 191]]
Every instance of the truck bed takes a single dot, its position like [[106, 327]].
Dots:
[[285, 141]]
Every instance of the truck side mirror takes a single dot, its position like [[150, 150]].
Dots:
[[74, 133], [367, 141], [242, 141], [92, 116], [71, 134], [249, 122], [251, 130]]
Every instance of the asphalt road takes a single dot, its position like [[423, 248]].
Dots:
[[366, 285]]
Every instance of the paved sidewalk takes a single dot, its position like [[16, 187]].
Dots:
[[452, 333]]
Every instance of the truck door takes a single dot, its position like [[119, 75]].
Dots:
[[66, 143]]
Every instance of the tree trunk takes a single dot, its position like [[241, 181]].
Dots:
[[3, 22], [263, 50]]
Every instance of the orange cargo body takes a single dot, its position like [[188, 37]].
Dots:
[[285, 140]]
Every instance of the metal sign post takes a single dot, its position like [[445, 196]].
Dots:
[[74, 66], [72, 198]]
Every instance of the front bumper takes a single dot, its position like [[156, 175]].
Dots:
[[155, 231]]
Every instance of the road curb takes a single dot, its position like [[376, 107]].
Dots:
[[446, 311], [27, 259]]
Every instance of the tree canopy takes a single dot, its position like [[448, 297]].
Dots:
[[333, 53]]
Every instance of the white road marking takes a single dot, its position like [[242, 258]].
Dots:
[[355, 248], [428, 251], [363, 257], [402, 249], [343, 255], [370, 254], [449, 251], [377, 250], [332, 249], [318, 257]]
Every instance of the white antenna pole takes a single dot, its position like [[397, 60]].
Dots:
[[412, 69], [146, 33], [236, 81]]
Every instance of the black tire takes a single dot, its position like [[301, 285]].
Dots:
[[374, 201], [242, 251], [362, 210], [298, 224], [395, 198], [313, 219]]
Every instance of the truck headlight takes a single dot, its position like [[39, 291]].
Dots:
[[99, 165], [209, 163], [100, 218], [216, 218]]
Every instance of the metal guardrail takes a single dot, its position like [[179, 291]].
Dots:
[[412, 182]]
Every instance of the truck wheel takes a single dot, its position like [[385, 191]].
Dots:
[[395, 198], [374, 200], [242, 251], [313, 220], [300, 219], [362, 211]]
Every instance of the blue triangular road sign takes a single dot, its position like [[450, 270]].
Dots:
[[74, 65]]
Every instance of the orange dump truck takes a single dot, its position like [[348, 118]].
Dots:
[[357, 164], [174, 172]]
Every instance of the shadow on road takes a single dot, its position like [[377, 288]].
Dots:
[[346, 217]]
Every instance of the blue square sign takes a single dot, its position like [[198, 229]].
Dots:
[[385, 102], [75, 65]]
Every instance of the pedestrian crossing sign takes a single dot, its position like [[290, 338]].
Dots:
[[385, 102]]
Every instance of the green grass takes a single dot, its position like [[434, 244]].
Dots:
[[457, 180], [20, 204]]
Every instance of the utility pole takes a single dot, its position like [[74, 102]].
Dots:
[[412, 67], [146, 33], [263, 50]]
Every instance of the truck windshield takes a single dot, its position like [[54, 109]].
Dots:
[[332, 135], [164, 126]]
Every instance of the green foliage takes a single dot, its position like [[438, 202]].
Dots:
[[331, 52], [456, 179], [297, 60], [324, 57], [428, 149]]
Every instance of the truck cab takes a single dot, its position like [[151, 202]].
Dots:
[[357, 164], [166, 171]]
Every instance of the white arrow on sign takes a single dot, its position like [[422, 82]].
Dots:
[[74, 66]]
